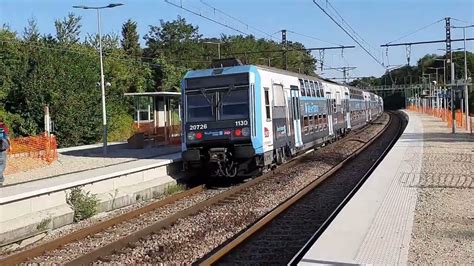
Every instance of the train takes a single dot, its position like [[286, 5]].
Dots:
[[244, 120]]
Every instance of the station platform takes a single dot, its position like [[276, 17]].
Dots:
[[85, 158], [416, 207], [117, 180]]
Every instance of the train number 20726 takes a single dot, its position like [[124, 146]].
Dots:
[[198, 127]]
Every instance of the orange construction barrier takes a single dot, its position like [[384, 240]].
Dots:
[[32, 152]]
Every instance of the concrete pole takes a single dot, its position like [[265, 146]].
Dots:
[[453, 114], [47, 121], [466, 92]]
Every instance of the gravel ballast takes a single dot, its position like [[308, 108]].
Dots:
[[193, 237]]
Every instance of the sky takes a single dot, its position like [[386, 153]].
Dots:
[[376, 21]]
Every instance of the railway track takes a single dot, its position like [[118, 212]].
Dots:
[[285, 234], [206, 216]]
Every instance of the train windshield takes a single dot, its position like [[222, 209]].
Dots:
[[200, 107], [234, 104], [218, 104]]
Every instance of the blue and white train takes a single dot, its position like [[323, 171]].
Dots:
[[245, 119]]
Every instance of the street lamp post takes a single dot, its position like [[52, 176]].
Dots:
[[445, 89], [466, 92], [102, 83], [218, 47]]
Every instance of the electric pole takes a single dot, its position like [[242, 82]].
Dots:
[[449, 54], [285, 45]]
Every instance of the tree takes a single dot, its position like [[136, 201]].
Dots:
[[31, 31], [68, 30], [109, 42], [176, 40], [130, 38]]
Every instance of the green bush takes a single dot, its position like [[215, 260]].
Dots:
[[121, 127], [15, 123], [83, 204]]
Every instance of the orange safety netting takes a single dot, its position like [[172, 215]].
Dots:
[[28, 153], [445, 114]]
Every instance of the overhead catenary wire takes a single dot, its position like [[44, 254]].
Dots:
[[416, 31], [343, 21], [207, 18], [124, 58], [352, 37], [312, 37], [239, 20], [463, 21], [348, 25]]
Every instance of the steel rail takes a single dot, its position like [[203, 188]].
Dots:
[[220, 252], [94, 229], [349, 196], [102, 252]]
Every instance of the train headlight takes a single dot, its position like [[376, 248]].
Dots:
[[245, 131], [191, 136], [199, 135], [238, 132]]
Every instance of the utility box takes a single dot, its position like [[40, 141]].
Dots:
[[137, 141]]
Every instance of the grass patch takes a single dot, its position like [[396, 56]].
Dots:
[[43, 225], [175, 188]]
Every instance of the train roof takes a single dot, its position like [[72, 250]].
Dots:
[[208, 71]]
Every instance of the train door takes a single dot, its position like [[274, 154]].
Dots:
[[338, 112], [366, 102], [347, 110], [330, 108], [295, 111]]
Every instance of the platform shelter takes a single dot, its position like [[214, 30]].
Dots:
[[157, 116]]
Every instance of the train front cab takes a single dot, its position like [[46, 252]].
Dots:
[[217, 123]]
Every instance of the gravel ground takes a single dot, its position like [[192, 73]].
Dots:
[[77, 159], [192, 237], [444, 220], [279, 241], [82, 246]]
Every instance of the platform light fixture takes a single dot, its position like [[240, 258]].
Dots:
[[102, 83]]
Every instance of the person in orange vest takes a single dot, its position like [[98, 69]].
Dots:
[[4, 147]]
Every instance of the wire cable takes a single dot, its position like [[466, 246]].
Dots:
[[463, 21], [418, 30], [311, 37], [238, 20], [208, 18], [350, 27], [352, 37], [136, 59]]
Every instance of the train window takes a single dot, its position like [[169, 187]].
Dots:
[[306, 125], [199, 107], [234, 104], [306, 86], [311, 87], [278, 95], [267, 104], [303, 92]]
